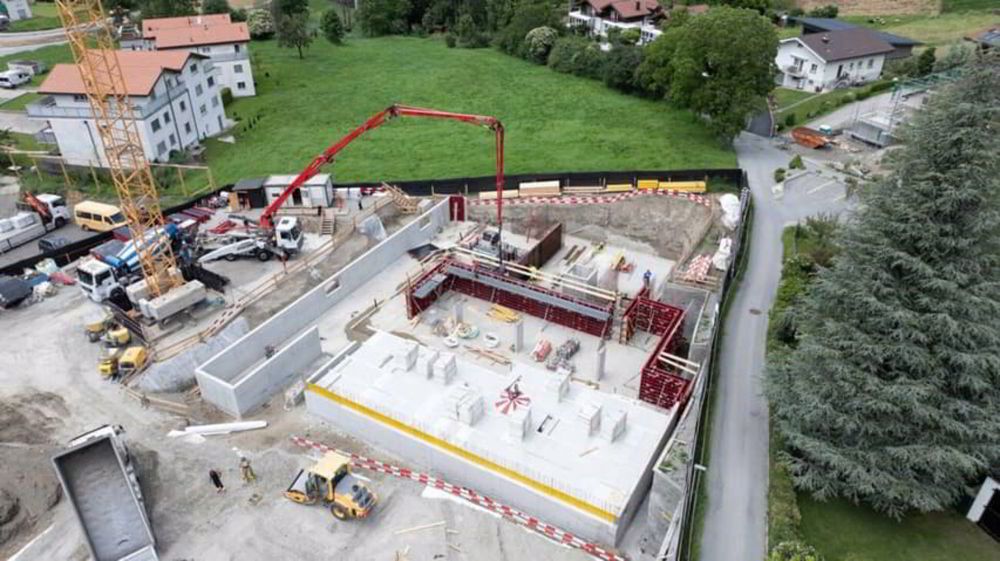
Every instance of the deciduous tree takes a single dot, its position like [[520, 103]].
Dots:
[[891, 396], [260, 23], [293, 31]]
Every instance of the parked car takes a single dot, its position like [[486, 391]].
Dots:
[[52, 243], [36, 67], [14, 78]]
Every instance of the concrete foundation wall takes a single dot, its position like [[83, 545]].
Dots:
[[271, 377], [217, 375], [462, 472]]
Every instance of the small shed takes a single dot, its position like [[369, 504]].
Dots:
[[250, 193], [317, 192]]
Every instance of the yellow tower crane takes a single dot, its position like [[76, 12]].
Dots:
[[93, 44]]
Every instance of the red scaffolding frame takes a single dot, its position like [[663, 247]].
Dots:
[[660, 385]]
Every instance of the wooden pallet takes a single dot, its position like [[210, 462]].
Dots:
[[405, 203]]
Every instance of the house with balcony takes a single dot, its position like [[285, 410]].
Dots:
[[174, 97], [214, 35], [598, 16], [822, 61]]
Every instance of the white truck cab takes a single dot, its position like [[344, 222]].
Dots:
[[96, 279], [288, 235], [57, 208]]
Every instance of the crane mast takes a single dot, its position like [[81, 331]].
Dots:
[[92, 42]]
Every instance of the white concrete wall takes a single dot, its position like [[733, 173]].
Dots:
[[233, 362], [463, 472], [989, 487]]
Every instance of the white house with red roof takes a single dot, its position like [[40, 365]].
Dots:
[[175, 99], [214, 35], [599, 16]]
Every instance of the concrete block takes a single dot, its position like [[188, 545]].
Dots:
[[519, 423], [614, 426], [590, 416], [176, 300], [405, 357], [558, 385], [445, 368]]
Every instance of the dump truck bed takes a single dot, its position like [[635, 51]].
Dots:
[[100, 484]]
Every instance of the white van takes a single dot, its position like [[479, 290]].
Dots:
[[14, 78]]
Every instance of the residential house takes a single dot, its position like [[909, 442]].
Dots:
[[215, 36], [175, 100], [15, 9], [598, 16], [902, 46], [820, 61]]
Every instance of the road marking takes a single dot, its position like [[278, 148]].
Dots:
[[827, 184]]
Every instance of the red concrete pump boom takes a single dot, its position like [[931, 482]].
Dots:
[[377, 120]]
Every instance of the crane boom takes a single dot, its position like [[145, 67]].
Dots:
[[92, 42], [376, 121]]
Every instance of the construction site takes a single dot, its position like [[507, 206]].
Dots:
[[511, 372]]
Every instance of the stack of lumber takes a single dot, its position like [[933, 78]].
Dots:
[[684, 186], [503, 313], [491, 195], [539, 188], [618, 188], [649, 184], [405, 203], [583, 189]]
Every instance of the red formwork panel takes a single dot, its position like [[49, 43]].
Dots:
[[414, 305], [659, 385], [514, 301]]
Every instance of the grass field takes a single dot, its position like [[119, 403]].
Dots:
[[554, 121], [785, 97], [844, 532], [935, 30], [45, 15], [18, 103]]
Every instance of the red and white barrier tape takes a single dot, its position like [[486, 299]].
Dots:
[[472, 496], [594, 199]]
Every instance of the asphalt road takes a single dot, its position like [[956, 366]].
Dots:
[[737, 475]]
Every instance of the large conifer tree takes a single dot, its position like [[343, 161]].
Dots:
[[892, 394]]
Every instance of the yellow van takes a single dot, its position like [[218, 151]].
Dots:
[[98, 217]]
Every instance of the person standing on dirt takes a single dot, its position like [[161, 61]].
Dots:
[[216, 478]]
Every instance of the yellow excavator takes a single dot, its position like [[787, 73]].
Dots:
[[330, 481]]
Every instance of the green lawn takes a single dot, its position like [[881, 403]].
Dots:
[[966, 5], [554, 122], [18, 103], [45, 15], [784, 97], [844, 532], [818, 105], [935, 30]]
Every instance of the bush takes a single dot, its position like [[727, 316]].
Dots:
[[227, 96], [564, 53], [790, 120], [863, 94], [382, 17], [796, 163], [467, 35], [332, 27], [794, 551], [828, 11], [779, 175], [260, 23], [621, 66], [450, 40], [511, 39], [538, 43], [879, 86]]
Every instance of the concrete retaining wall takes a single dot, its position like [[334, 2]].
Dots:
[[219, 377], [461, 472]]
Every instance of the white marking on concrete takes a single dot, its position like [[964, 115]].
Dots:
[[822, 186], [31, 543]]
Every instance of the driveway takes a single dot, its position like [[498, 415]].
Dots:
[[13, 43], [737, 471]]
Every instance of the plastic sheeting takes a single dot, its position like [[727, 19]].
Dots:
[[373, 228], [721, 258], [730, 210]]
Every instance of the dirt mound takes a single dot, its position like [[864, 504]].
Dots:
[[29, 418], [28, 484]]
